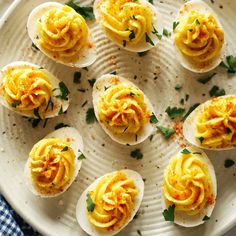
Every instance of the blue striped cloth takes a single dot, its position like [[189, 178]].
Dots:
[[11, 224]]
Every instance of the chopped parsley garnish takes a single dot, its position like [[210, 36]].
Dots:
[[64, 91], [36, 112], [201, 139], [151, 137], [90, 116], [34, 47], [186, 97], [60, 111], [90, 203], [64, 149], [137, 154], [199, 153], [86, 12], [166, 33], [15, 104], [197, 22], [60, 125], [231, 64], [149, 40], [45, 122], [113, 72], [205, 218], [204, 80], [153, 119], [166, 131], [77, 77], [175, 24], [169, 214], [151, 1], [191, 109], [132, 35], [34, 122], [174, 112], [84, 103], [228, 130], [229, 163], [81, 157], [50, 102], [138, 231], [159, 36], [216, 91], [178, 87], [182, 101], [185, 151], [91, 82], [133, 17], [142, 54], [124, 43]]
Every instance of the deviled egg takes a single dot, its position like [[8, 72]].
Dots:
[[212, 125], [189, 188], [61, 34], [110, 203], [32, 91], [54, 162], [199, 37], [122, 109], [132, 25]]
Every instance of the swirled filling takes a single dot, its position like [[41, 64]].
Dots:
[[188, 184], [51, 163], [216, 124], [26, 88], [122, 109], [114, 199], [62, 33], [126, 20], [199, 37]]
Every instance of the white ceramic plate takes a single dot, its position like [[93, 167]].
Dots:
[[57, 216]]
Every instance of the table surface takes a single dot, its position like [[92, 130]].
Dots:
[[4, 5]]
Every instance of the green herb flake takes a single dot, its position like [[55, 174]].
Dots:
[[132, 35], [153, 119], [81, 157], [155, 32], [205, 218], [138, 231], [113, 72], [166, 131], [34, 122], [175, 24], [90, 116], [90, 203], [16, 104], [64, 149], [151, 1], [60, 125], [137, 154], [33, 46], [231, 64], [185, 151], [91, 82], [216, 91], [169, 214], [204, 80], [229, 163], [174, 112], [178, 87], [201, 139], [197, 22], [86, 12], [50, 102], [36, 113], [124, 43], [166, 33], [149, 40], [77, 77], [64, 91], [186, 97], [191, 109], [228, 130], [142, 54]]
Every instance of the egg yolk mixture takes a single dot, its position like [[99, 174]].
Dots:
[[126, 20], [122, 109], [216, 124], [26, 88], [62, 33], [51, 163], [114, 199], [199, 37], [188, 184]]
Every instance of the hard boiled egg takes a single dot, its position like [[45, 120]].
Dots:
[[32, 91], [212, 124], [61, 34], [189, 188], [199, 37], [122, 109], [132, 25], [110, 203], [54, 162]]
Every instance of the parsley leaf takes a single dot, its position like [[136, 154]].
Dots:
[[229, 163], [132, 35], [139, 232], [205, 218], [149, 40], [77, 77], [197, 22], [15, 104], [33, 46], [113, 72], [191, 109], [81, 157], [153, 119], [159, 36], [185, 151], [36, 112], [175, 24], [90, 116], [86, 12], [178, 87], [228, 130], [142, 54], [91, 82], [34, 122], [90, 203], [201, 139], [169, 214], [151, 1], [231, 64], [168, 132], [64, 91], [137, 154], [64, 149], [174, 112], [166, 33], [60, 125], [216, 91], [204, 80]]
